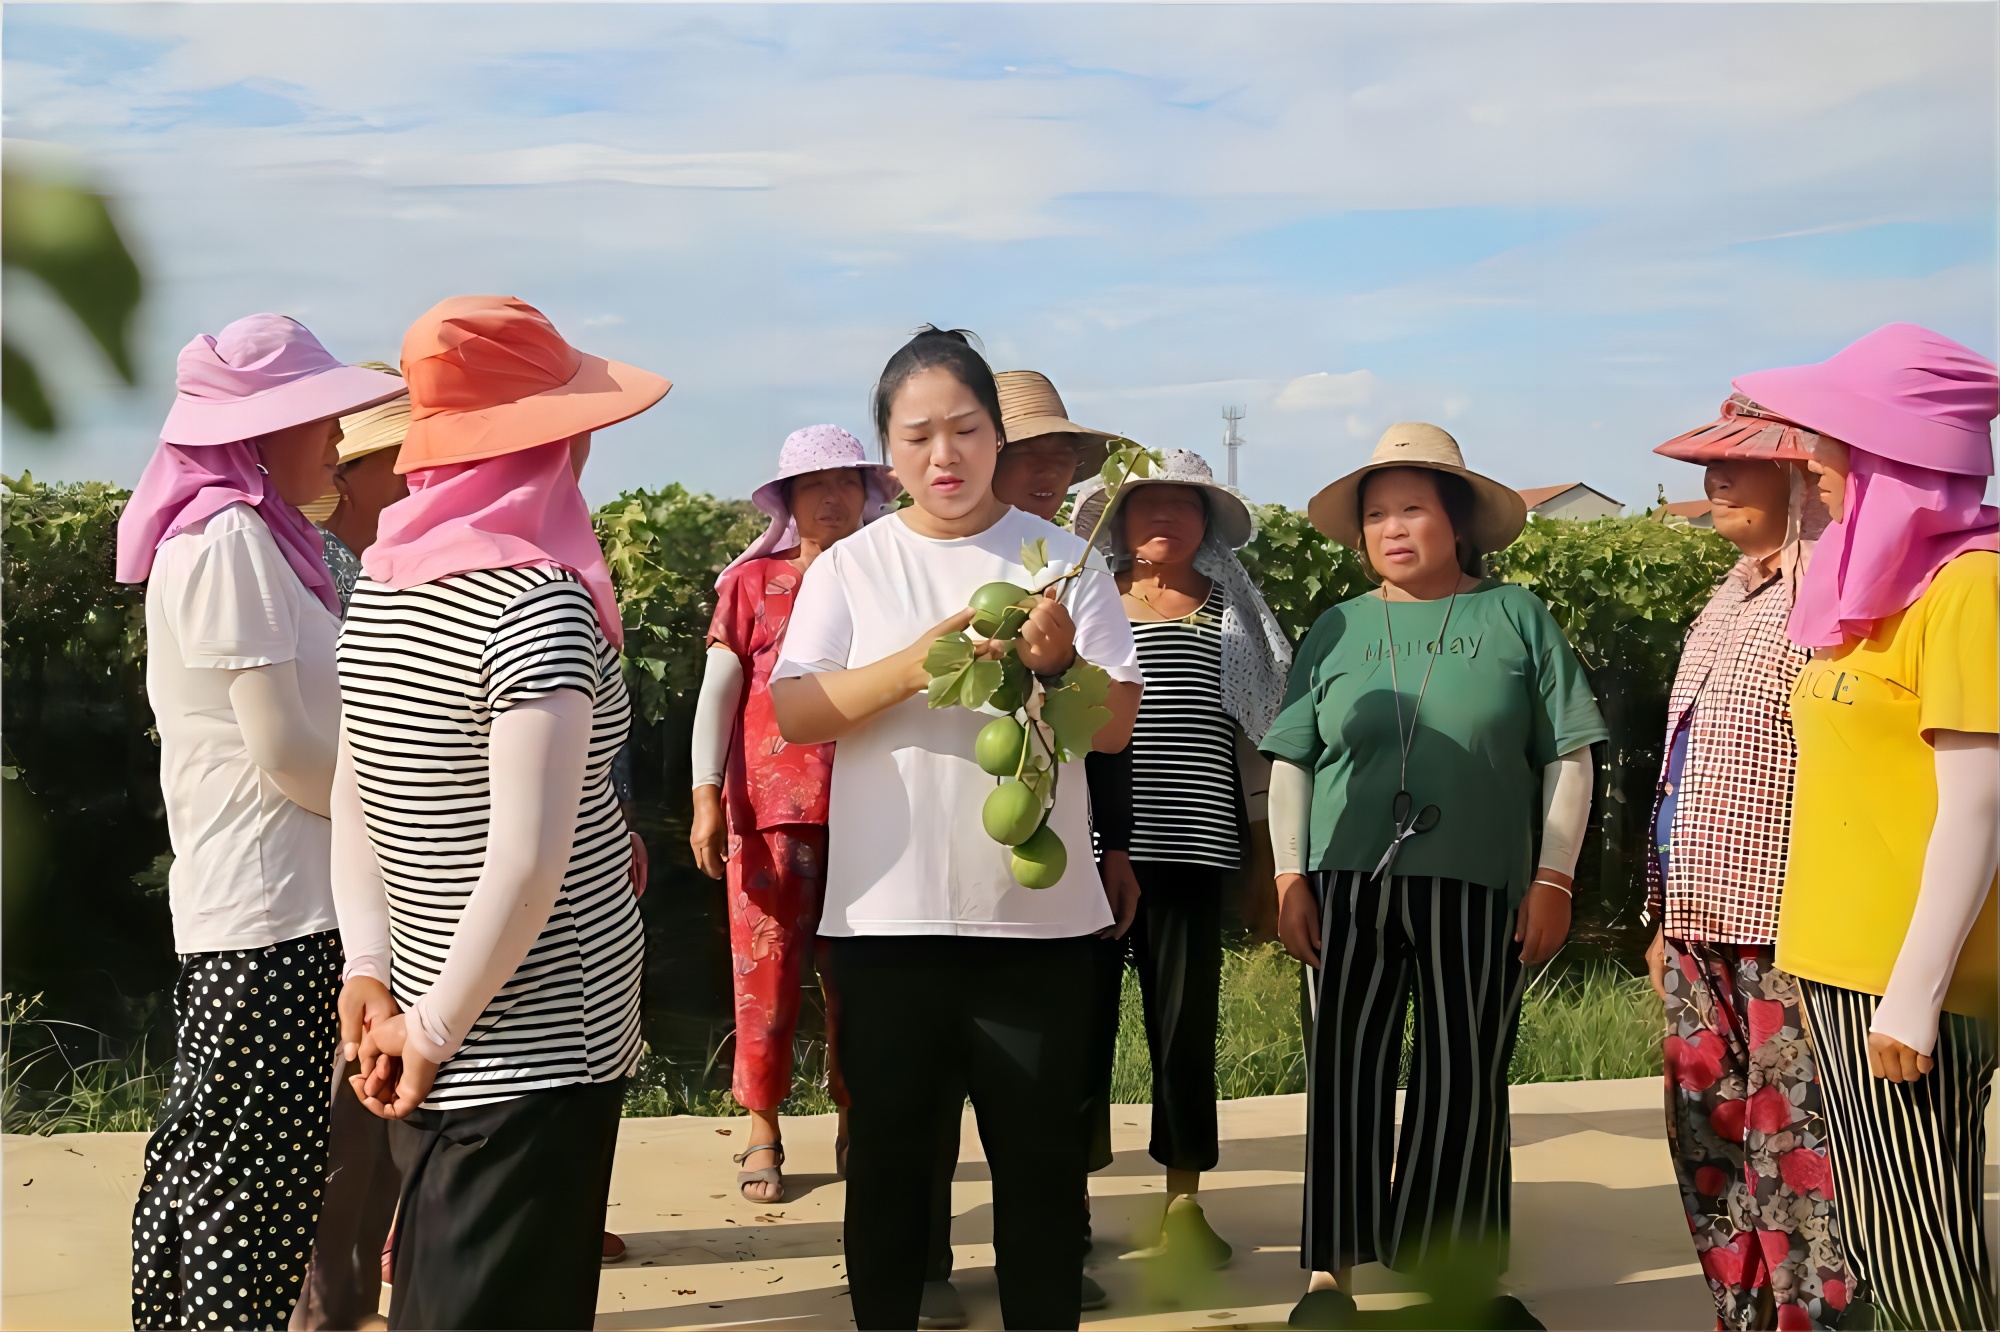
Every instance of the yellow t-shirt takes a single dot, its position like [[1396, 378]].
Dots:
[[1866, 792]]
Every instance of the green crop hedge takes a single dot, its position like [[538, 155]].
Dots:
[[86, 927]]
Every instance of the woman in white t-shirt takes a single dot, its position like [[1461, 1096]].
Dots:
[[241, 618], [950, 973]]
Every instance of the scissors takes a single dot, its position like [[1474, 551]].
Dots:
[[1409, 822]]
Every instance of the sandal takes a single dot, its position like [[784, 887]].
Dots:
[[770, 1174]]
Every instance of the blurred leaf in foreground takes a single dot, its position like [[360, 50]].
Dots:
[[63, 235]]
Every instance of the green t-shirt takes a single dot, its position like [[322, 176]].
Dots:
[[1507, 697]]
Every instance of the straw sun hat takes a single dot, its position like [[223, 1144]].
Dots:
[[1030, 406], [1498, 513], [379, 427], [370, 430]]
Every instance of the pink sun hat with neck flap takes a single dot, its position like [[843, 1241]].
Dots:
[[263, 373], [1902, 392], [815, 448]]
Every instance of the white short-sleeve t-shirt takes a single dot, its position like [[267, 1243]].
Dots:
[[250, 867], [906, 852]]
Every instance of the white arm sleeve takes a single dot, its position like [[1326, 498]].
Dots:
[[715, 714], [1565, 810], [280, 736], [360, 902], [538, 751], [1959, 865], [1290, 809]]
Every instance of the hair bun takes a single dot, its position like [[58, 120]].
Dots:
[[960, 335]]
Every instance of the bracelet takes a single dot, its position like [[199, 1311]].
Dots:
[[1551, 883]]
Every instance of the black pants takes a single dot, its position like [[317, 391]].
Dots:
[[1452, 943], [343, 1282], [231, 1189], [923, 1017], [1175, 944], [502, 1216], [1909, 1164], [944, 1164]]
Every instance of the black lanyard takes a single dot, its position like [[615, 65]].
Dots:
[[1407, 819]]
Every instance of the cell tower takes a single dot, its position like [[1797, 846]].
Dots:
[[1232, 441]]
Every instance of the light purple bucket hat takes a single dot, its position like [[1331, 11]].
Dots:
[[263, 373], [815, 449]]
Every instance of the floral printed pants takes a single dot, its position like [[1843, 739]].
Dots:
[[777, 885], [1748, 1138]]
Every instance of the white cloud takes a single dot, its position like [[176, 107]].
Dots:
[[1124, 196], [573, 163], [1326, 389]]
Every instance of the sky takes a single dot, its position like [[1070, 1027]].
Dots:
[[1556, 230]]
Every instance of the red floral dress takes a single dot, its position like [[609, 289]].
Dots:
[[774, 795]]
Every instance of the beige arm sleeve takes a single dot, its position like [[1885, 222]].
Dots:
[[360, 902], [280, 736], [538, 752], [715, 709], [1291, 816], [1959, 865], [1565, 810]]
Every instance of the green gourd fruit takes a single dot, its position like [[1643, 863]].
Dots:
[[998, 748], [999, 610], [1011, 813], [1040, 861]]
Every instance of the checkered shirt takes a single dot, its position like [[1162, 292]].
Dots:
[[1733, 820]]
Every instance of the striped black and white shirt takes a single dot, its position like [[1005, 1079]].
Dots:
[[423, 673], [1185, 792]]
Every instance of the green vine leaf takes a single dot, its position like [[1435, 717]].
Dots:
[[1035, 555], [1074, 709], [959, 678]]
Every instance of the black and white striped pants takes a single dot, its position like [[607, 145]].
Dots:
[[1909, 1165], [1452, 944]]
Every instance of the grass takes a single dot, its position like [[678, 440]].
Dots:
[[663, 1086], [1585, 1023], [46, 1086], [1582, 1023]]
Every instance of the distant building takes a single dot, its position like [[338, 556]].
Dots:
[[1574, 501], [1697, 513]]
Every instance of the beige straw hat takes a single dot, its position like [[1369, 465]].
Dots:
[[367, 431], [1498, 513], [1030, 406], [375, 428]]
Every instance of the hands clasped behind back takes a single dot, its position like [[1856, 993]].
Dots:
[[538, 750]]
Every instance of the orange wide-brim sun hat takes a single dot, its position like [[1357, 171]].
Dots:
[[489, 375]]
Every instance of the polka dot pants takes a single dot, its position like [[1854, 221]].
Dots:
[[231, 1193]]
